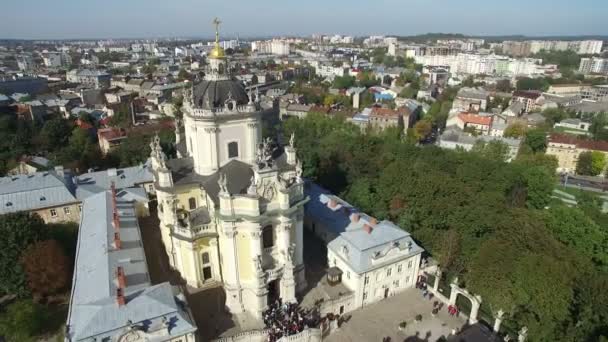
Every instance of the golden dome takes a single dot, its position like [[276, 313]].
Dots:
[[217, 52]]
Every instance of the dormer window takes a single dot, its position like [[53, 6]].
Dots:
[[9, 204], [345, 250], [42, 198]]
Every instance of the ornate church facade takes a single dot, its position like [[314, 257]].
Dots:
[[231, 205]]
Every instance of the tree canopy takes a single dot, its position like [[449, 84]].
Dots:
[[483, 219]]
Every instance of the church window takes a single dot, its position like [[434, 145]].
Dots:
[[399, 267], [206, 273], [233, 149], [220, 69], [268, 236], [409, 264], [388, 272], [66, 210], [205, 258], [53, 213], [192, 203], [366, 281]]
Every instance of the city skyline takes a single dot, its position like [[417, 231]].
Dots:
[[68, 19]]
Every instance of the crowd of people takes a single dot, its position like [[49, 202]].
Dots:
[[286, 319]]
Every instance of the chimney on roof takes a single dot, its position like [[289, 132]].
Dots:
[[120, 276], [59, 171], [332, 203], [369, 229], [115, 221], [120, 297], [354, 217], [117, 242]]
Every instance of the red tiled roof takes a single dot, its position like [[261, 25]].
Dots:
[[533, 95], [595, 145], [475, 119], [111, 133]]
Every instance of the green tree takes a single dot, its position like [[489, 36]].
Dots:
[[55, 134], [422, 129], [18, 231], [536, 139], [540, 183], [527, 83], [183, 75], [584, 164], [598, 162], [344, 82], [22, 321], [494, 149], [515, 130], [599, 126]]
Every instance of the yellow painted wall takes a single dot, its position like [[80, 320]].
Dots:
[[243, 248], [183, 194]]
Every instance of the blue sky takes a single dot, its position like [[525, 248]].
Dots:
[[38, 19]]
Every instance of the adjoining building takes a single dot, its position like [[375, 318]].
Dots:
[[373, 259], [57, 195], [567, 149], [112, 297]]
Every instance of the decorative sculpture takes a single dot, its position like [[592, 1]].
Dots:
[[223, 183], [264, 154], [257, 262], [292, 140], [253, 188], [298, 170]]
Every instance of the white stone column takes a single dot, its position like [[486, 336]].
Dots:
[[453, 294], [283, 236], [252, 142], [189, 264], [230, 269], [215, 260], [498, 321], [474, 312], [299, 231], [437, 279]]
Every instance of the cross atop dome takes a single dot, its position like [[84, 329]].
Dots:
[[217, 52]]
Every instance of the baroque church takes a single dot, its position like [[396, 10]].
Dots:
[[231, 205]]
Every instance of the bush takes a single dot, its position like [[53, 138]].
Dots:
[[22, 321]]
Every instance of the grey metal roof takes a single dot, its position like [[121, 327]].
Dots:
[[94, 182], [94, 311], [365, 249], [36, 191], [216, 93], [472, 93]]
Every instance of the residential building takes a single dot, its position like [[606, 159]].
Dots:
[[29, 165], [532, 100], [567, 149], [576, 126], [470, 100], [110, 138], [274, 47], [598, 93], [295, 110], [52, 59], [374, 259], [594, 65], [479, 123], [91, 78], [457, 139], [112, 297]]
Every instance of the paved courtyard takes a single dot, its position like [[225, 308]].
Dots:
[[381, 319]]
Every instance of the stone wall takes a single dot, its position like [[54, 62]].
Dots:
[[309, 335]]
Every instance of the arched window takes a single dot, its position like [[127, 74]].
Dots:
[[268, 236], [207, 274], [233, 149], [192, 203]]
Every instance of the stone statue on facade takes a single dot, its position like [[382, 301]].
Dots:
[[264, 154], [223, 183], [257, 263], [292, 140], [253, 187], [298, 171]]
